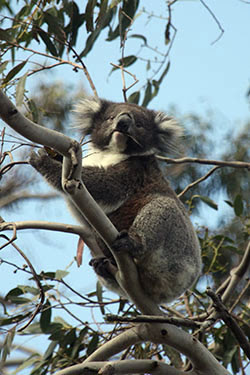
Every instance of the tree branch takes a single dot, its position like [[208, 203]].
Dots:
[[230, 322], [5, 201], [225, 290], [203, 178], [139, 366], [216, 20], [153, 319], [233, 164], [203, 361]]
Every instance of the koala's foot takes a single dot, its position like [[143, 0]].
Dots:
[[124, 242], [104, 267]]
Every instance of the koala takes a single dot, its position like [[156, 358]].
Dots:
[[122, 174]]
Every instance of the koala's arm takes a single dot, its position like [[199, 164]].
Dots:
[[109, 187], [49, 168]]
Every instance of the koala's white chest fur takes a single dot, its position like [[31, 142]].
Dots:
[[102, 159]]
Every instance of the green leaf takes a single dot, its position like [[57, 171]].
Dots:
[[49, 351], [27, 363], [29, 289], [45, 318], [14, 72], [89, 15], [3, 66], [60, 274], [114, 3], [134, 98], [139, 36], [62, 322], [20, 88], [33, 109], [238, 205], [50, 46], [14, 319], [57, 332], [79, 342], [127, 14], [5, 35], [55, 23], [229, 203], [14, 296], [14, 292], [148, 95], [76, 20], [93, 344], [69, 337], [165, 71], [128, 60], [99, 292], [7, 346], [18, 300], [207, 200], [102, 12], [90, 42]]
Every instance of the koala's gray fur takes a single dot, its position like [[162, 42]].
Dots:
[[122, 174]]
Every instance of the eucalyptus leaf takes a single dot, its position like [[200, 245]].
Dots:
[[20, 89]]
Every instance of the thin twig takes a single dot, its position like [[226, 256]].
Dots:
[[233, 164], [123, 42], [7, 167], [215, 19], [38, 283], [203, 178], [126, 71], [246, 287]]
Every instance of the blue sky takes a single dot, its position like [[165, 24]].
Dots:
[[202, 76]]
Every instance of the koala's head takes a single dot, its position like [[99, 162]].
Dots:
[[126, 128]]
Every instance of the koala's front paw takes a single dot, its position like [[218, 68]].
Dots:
[[124, 242], [38, 158]]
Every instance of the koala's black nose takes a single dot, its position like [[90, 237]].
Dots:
[[123, 122]]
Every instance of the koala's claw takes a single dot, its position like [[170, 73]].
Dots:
[[103, 267], [36, 158]]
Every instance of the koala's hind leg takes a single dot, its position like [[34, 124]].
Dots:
[[106, 269]]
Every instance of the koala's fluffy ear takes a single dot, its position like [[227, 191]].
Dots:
[[84, 113], [168, 133]]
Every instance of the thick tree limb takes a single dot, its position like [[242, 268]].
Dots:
[[138, 366], [203, 361]]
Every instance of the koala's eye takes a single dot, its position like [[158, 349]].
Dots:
[[109, 118], [138, 124]]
